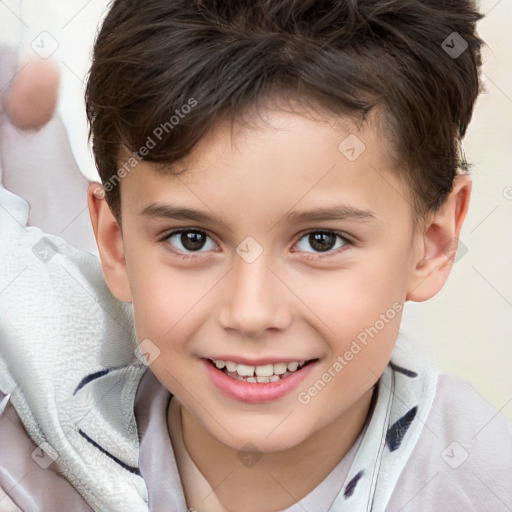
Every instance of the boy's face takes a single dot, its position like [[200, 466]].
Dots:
[[251, 284]]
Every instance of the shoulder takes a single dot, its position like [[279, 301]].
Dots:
[[461, 416], [463, 457], [458, 400]]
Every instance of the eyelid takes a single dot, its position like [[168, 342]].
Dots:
[[167, 234], [341, 234]]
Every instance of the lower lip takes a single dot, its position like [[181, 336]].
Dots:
[[254, 392]]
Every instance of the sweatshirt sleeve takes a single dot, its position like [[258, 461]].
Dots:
[[61, 327]]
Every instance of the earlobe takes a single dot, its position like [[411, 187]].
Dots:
[[110, 243], [440, 242]]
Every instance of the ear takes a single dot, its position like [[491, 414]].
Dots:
[[110, 243], [439, 243]]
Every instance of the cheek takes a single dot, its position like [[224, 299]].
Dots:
[[355, 298], [166, 300], [166, 305], [360, 309]]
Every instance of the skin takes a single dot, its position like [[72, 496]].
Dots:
[[284, 304], [34, 93]]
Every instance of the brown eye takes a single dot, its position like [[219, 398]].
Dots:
[[193, 240], [189, 240], [321, 241]]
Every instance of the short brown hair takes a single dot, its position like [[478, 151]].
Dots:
[[418, 60]]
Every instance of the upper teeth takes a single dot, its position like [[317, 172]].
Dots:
[[266, 370]]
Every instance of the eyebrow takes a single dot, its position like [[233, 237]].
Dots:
[[341, 212], [164, 211]]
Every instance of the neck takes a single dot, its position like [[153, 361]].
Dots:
[[281, 477]]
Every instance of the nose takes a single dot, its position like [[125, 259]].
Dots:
[[255, 300]]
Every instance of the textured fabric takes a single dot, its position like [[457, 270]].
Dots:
[[463, 458], [58, 324], [31, 480]]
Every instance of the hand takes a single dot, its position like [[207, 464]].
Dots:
[[33, 96], [38, 164]]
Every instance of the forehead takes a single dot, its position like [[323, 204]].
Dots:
[[275, 163]]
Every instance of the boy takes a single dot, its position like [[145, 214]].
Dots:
[[279, 178]]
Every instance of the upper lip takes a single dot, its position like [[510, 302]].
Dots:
[[262, 361]]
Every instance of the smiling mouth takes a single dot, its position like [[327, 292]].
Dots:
[[259, 374]]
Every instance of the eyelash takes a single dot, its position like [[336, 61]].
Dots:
[[310, 256]]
